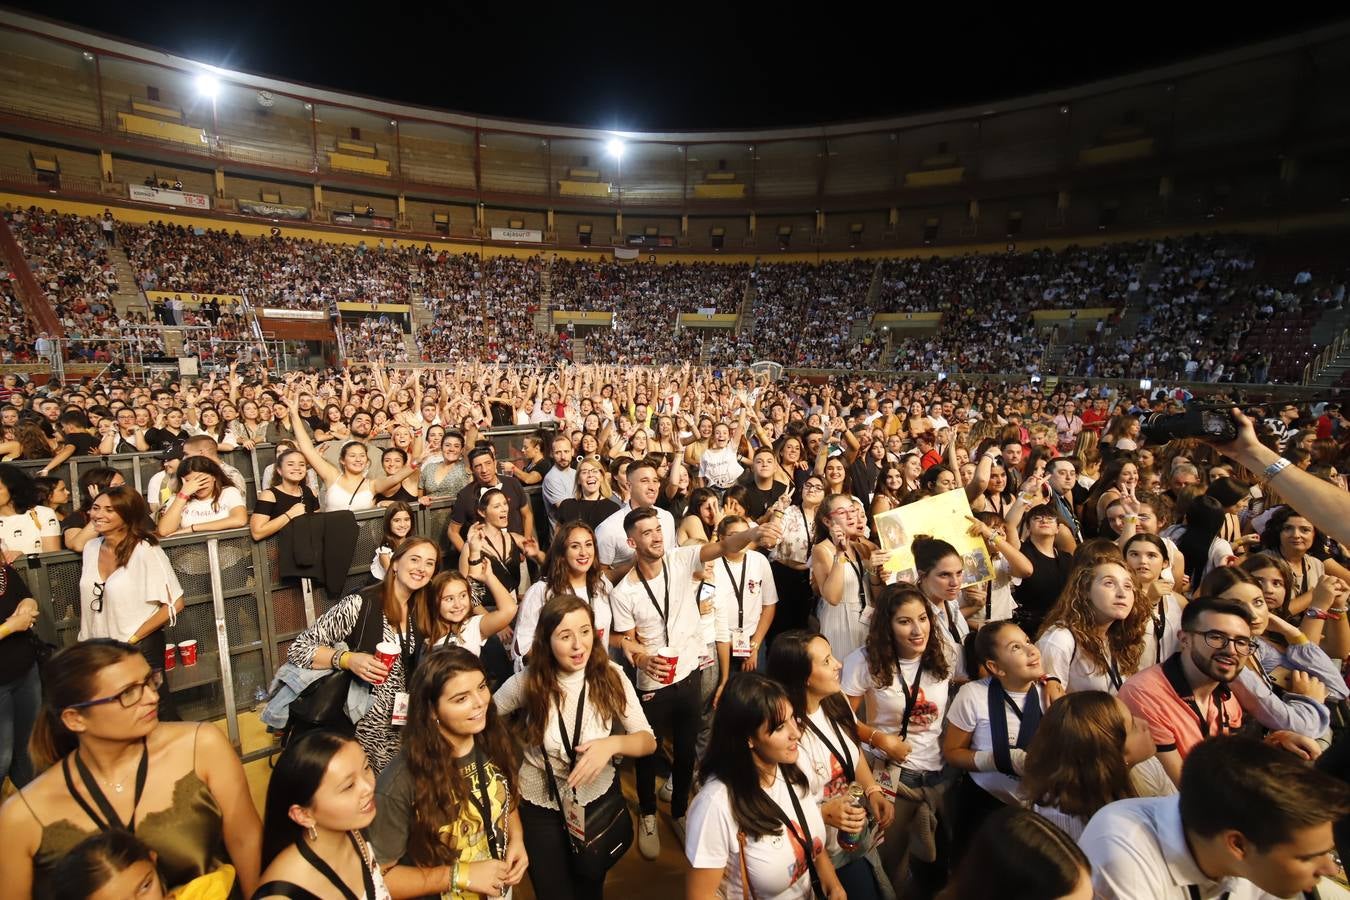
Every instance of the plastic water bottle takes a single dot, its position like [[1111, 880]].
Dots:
[[848, 840]]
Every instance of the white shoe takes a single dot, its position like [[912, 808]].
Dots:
[[677, 826], [649, 842], [667, 790]]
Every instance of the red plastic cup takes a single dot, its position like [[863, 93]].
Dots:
[[170, 656], [386, 652], [670, 657], [189, 651]]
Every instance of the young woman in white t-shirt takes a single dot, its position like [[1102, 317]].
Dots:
[[1009, 563], [903, 676], [991, 722], [25, 527], [753, 816], [450, 617], [580, 714], [830, 753], [1092, 637], [206, 501], [1090, 750], [1146, 556], [744, 601], [570, 569]]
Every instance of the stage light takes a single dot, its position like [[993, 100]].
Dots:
[[208, 86], [615, 148]]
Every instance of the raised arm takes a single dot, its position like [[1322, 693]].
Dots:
[[327, 471]]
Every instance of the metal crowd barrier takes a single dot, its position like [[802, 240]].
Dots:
[[237, 607]]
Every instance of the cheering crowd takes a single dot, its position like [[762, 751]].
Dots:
[[676, 582]]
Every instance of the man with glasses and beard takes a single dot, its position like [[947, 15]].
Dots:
[[1186, 698]]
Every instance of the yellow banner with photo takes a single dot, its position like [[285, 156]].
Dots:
[[943, 516]]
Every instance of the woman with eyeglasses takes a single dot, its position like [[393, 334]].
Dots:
[[108, 762], [129, 590], [790, 559]]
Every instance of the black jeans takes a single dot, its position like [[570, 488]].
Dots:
[[548, 845], [672, 712]]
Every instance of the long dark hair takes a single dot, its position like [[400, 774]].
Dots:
[[388, 593], [298, 774], [697, 497], [22, 489], [749, 701], [1204, 521], [66, 680], [87, 867], [388, 537], [542, 690], [219, 479], [1019, 854], [879, 646], [790, 665], [440, 790], [557, 580], [100, 477], [131, 507]]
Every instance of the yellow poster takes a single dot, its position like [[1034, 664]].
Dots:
[[942, 516]]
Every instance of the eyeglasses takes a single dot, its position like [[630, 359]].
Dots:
[[1218, 640], [813, 487], [96, 605], [127, 697]]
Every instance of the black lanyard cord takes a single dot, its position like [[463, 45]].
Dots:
[[110, 820], [570, 744], [911, 696], [739, 589], [482, 799], [804, 839], [367, 878], [664, 613], [840, 752]]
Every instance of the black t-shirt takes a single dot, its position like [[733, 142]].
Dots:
[[502, 413], [158, 439], [466, 503], [16, 650], [757, 502], [1038, 593], [592, 512], [85, 444], [313, 422]]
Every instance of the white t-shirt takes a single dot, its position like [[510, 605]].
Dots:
[[199, 512], [157, 492], [756, 577], [776, 863], [682, 630], [527, 616], [1061, 657], [825, 775], [970, 713], [886, 706], [1149, 779], [130, 595], [720, 468], [1138, 849], [24, 531], [944, 616], [1166, 620], [611, 541], [470, 636]]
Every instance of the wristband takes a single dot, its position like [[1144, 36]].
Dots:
[[1323, 614], [1276, 468], [876, 788], [183, 495], [984, 761], [476, 562]]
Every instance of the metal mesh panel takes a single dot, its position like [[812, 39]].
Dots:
[[288, 611], [241, 620], [193, 567], [435, 523], [368, 539], [250, 677]]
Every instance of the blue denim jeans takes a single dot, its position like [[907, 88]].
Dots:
[[19, 702]]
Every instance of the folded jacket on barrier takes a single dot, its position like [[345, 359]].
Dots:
[[319, 546]]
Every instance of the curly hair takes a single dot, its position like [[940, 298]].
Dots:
[[879, 646], [1073, 611], [440, 790]]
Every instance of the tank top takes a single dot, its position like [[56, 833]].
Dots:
[[338, 497]]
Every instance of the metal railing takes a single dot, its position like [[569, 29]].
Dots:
[[1325, 358], [238, 608]]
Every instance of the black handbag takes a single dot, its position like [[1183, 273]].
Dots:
[[609, 825], [323, 703]]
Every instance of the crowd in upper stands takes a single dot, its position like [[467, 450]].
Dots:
[[1177, 307]]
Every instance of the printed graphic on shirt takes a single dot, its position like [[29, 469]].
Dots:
[[925, 711]]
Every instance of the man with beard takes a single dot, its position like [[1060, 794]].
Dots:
[[1186, 698]]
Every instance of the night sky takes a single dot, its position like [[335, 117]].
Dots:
[[676, 66]]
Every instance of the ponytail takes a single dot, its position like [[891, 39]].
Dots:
[[69, 679]]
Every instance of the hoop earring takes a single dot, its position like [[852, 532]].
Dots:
[[313, 833]]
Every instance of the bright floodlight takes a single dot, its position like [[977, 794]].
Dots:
[[615, 148], [208, 86]]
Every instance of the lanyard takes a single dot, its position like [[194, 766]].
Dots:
[[911, 695], [110, 821], [570, 744], [739, 589], [952, 627], [482, 799], [1113, 670], [409, 650], [664, 613], [806, 523], [804, 839], [857, 568], [1176, 677], [1160, 623], [367, 879], [840, 753]]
